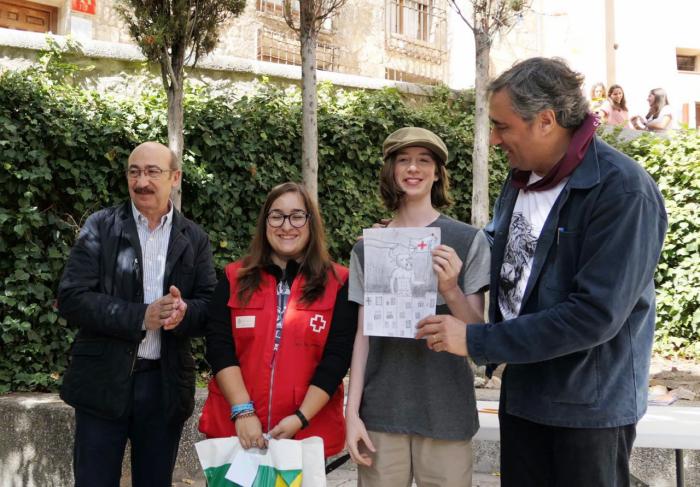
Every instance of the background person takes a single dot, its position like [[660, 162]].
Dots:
[[659, 117], [280, 332], [597, 97], [411, 412], [137, 284], [583, 224], [614, 110]]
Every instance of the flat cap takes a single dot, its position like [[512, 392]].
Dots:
[[415, 137]]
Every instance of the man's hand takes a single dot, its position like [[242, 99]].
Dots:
[[356, 433], [444, 333], [157, 311], [167, 311], [179, 308], [286, 428]]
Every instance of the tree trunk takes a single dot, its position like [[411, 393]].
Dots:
[[309, 140], [175, 132], [480, 151]]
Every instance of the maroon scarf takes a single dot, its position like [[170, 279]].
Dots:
[[578, 146]]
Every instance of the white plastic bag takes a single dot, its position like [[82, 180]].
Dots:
[[285, 463]]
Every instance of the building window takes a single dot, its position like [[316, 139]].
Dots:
[[30, 16], [418, 20], [685, 63], [687, 60], [282, 48], [406, 77], [276, 8]]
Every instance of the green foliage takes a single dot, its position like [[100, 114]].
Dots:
[[674, 163], [62, 157], [63, 154], [176, 27]]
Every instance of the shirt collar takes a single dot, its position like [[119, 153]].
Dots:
[[165, 221]]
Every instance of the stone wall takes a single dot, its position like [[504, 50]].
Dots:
[[36, 446]]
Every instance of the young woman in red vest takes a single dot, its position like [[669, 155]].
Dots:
[[281, 332]]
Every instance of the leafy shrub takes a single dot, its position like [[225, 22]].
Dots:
[[674, 163], [63, 151], [62, 154]]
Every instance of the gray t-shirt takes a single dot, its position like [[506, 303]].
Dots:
[[410, 389]]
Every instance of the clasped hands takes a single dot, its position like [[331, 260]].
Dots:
[[166, 312]]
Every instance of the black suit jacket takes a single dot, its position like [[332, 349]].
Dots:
[[101, 293]]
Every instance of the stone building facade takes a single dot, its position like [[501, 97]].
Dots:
[[401, 40]]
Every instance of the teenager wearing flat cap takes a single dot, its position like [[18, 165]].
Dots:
[[411, 411]]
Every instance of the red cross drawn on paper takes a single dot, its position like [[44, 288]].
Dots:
[[422, 245], [317, 323]]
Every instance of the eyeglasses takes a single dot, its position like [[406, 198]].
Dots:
[[150, 172], [297, 219]]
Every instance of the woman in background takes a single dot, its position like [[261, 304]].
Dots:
[[659, 116], [614, 110], [597, 97]]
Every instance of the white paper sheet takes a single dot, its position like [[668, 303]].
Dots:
[[244, 468], [400, 284]]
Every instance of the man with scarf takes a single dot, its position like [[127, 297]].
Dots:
[[577, 233]]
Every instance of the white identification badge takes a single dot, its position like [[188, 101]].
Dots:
[[245, 321]]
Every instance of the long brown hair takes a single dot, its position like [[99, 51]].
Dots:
[[660, 101], [391, 192], [623, 101], [315, 263]]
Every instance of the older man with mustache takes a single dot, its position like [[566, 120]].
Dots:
[[136, 284]]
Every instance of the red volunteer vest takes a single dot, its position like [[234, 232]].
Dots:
[[282, 385]]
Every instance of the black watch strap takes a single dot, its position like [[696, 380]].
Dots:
[[302, 418]]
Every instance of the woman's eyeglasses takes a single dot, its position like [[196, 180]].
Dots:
[[297, 219]]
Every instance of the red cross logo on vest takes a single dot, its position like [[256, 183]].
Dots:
[[422, 245], [317, 323]]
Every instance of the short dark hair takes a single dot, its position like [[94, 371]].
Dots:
[[392, 193], [538, 84]]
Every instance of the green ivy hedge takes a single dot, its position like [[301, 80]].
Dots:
[[62, 153], [674, 163]]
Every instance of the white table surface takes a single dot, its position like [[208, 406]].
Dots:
[[676, 427]]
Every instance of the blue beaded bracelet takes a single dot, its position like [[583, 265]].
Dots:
[[246, 407]]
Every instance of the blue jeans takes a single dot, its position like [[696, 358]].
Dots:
[[538, 455], [100, 443]]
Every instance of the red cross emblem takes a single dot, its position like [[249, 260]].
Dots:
[[317, 323], [422, 245]]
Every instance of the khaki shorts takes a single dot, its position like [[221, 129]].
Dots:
[[401, 458]]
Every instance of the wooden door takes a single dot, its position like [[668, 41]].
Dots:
[[22, 15]]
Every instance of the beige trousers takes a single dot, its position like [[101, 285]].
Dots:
[[401, 458]]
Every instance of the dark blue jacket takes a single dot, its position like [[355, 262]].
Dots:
[[101, 293], [578, 355]]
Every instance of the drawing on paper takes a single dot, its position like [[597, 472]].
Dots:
[[400, 285]]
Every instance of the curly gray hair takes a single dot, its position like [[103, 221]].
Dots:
[[540, 83]]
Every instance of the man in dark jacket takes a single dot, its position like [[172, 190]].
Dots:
[[137, 284], [578, 230]]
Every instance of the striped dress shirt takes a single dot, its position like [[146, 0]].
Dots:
[[154, 249]]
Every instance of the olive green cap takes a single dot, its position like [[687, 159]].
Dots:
[[415, 137]]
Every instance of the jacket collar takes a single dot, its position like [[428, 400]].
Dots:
[[587, 174]]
